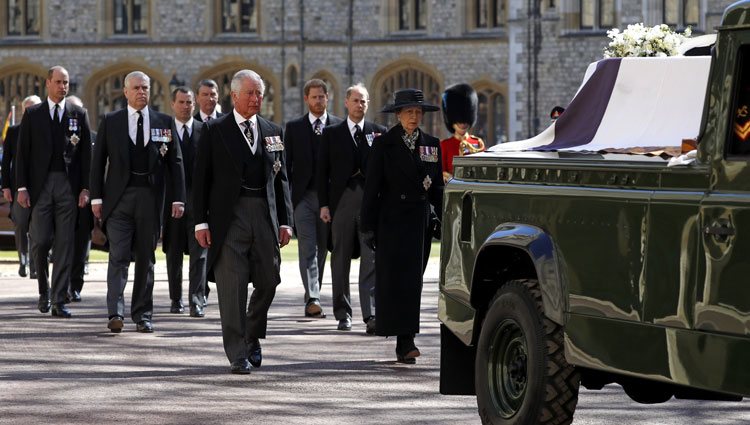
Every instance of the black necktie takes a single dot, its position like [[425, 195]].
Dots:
[[56, 114], [185, 134], [249, 133], [317, 127], [359, 138], [139, 141]]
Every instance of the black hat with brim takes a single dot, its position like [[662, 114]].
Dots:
[[408, 98]]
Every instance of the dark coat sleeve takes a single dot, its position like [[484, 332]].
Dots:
[[288, 137], [85, 146], [176, 171], [373, 183], [9, 152], [23, 150], [99, 161], [202, 176], [281, 189]]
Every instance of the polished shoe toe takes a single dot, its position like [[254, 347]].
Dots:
[[313, 309], [370, 325], [43, 305], [240, 367], [115, 324], [345, 324], [177, 307], [61, 311], [256, 354], [22, 270], [196, 311], [75, 296], [32, 274], [144, 326]]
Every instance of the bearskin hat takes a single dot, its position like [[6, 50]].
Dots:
[[460, 104]]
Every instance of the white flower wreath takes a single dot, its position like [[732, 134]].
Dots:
[[641, 41]]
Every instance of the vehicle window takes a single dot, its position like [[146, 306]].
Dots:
[[740, 121]]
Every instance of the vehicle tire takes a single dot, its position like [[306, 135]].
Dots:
[[521, 374]]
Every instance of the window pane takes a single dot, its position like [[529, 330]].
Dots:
[[480, 128], [248, 19], [606, 14], [421, 13], [498, 19], [692, 13], [120, 17], [403, 14], [481, 13], [32, 17], [15, 17], [671, 12], [498, 121], [228, 14], [587, 13], [140, 16]]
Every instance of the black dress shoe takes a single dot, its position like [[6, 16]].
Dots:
[[177, 307], [32, 274], [345, 324], [61, 311], [256, 354], [196, 311], [313, 308], [370, 325], [241, 367], [115, 324], [406, 351], [144, 326], [22, 270], [75, 296], [43, 305]]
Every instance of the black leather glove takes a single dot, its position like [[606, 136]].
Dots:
[[369, 239], [435, 225]]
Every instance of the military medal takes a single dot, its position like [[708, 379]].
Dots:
[[163, 149], [428, 153], [74, 139], [73, 125], [274, 144], [276, 166], [370, 137], [427, 182]]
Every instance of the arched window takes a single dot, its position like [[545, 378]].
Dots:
[[292, 77], [404, 76], [223, 77], [20, 17], [108, 95], [492, 117], [16, 86]]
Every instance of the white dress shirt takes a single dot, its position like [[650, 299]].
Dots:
[[133, 124]]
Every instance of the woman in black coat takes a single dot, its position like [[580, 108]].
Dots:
[[404, 183]]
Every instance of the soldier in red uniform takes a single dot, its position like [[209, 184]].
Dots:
[[459, 115]]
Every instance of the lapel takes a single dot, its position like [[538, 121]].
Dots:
[[343, 144], [120, 121], [234, 140], [196, 136], [401, 155], [264, 129], [46, 128], [153, 150]]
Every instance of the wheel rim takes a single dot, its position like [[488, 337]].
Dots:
[[507, 368]]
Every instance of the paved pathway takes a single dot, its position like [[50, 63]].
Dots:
[[76, 372]]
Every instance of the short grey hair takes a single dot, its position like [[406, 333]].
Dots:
[[136, 74], [246, 74], [358, 87], [75, 100], [30, 100]]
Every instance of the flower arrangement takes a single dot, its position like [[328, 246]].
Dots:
[[641, 41]]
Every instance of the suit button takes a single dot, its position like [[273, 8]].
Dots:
[[403, 197]]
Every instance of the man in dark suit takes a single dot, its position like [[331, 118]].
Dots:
[[133, 148], [341, 177], [302, 140], [52, 172], [18, 214], [244, 215], [179, 236], [207, 99], [82, 239]]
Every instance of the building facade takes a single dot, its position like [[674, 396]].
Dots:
[[522, 57]]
